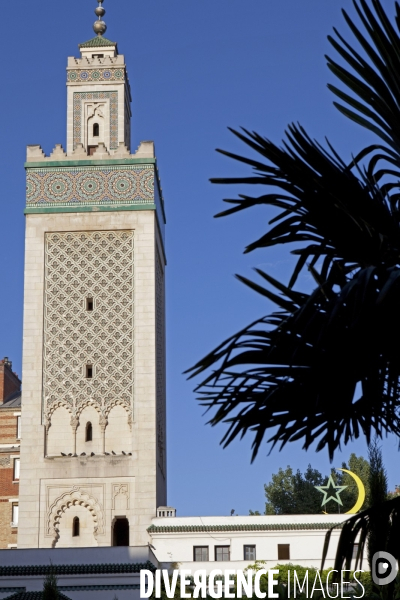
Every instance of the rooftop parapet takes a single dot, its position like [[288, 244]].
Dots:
[[95, 61], [35, 153]]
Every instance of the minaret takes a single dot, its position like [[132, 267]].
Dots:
[[93, 463]]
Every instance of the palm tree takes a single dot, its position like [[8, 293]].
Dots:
[[324, 367], [50, 587]]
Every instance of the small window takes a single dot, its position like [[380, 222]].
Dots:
[[200, 553], [89, 304], [121, 532], [96, 130], [97, 55], [16, 469], [14, 518], [18, 428], [283, 551], [89, 371], [75, 527], [249, 552], [222, 553], [89, 432]]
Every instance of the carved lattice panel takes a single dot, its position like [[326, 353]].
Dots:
[[98, 266]]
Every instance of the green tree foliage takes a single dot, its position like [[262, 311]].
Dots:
[[361, 467], [395, 493], [380, 527], [294, 493], [50, 588]]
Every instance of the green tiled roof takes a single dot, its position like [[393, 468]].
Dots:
[[255, 527], [32, 596], [97, 42], [75, 569]]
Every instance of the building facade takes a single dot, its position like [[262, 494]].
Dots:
[[10, 437], [93, 459], [236, 542]]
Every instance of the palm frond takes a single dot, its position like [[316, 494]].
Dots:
[[325, 367], [327, 210], [371, 77], [295, 374], [382, 520]]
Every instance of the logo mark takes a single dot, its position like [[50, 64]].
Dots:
[[384, 568], [332, 492]]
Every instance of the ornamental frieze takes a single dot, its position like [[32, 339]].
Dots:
[[86, 186], [84, 75]]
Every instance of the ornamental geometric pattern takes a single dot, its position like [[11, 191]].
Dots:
[[81, 265], [62, 186], [101, 74], [77, 112]]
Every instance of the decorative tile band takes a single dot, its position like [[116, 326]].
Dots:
[[78, 112], [101, 74], [88, 186]]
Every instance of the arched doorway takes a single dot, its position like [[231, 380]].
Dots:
[[120, 535]]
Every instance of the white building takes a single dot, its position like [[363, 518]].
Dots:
[[235, 542]]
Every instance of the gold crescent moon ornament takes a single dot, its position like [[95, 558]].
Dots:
[[361, 492]]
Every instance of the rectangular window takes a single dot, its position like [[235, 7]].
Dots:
[[16, 469], [200, 553], [15, 509], [89, 372], [222, 553], [89, 304], [18, 428], [283, 551], [249, 552]]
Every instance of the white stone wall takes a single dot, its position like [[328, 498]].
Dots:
[[44, 480], [302, 532], [98, 87]]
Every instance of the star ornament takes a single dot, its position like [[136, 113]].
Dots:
[[331, 491]]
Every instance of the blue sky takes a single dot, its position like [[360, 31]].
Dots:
[[195, 69]]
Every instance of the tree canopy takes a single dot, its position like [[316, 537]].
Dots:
[[291, 492]]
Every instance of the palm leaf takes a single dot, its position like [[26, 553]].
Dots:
[[372, 79], [317, 353]]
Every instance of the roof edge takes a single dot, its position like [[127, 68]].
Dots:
[[240, 527], [96, 42]]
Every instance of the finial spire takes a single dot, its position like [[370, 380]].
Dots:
[[99, 26]]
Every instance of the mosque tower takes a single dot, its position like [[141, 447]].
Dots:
[[93, 462]]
